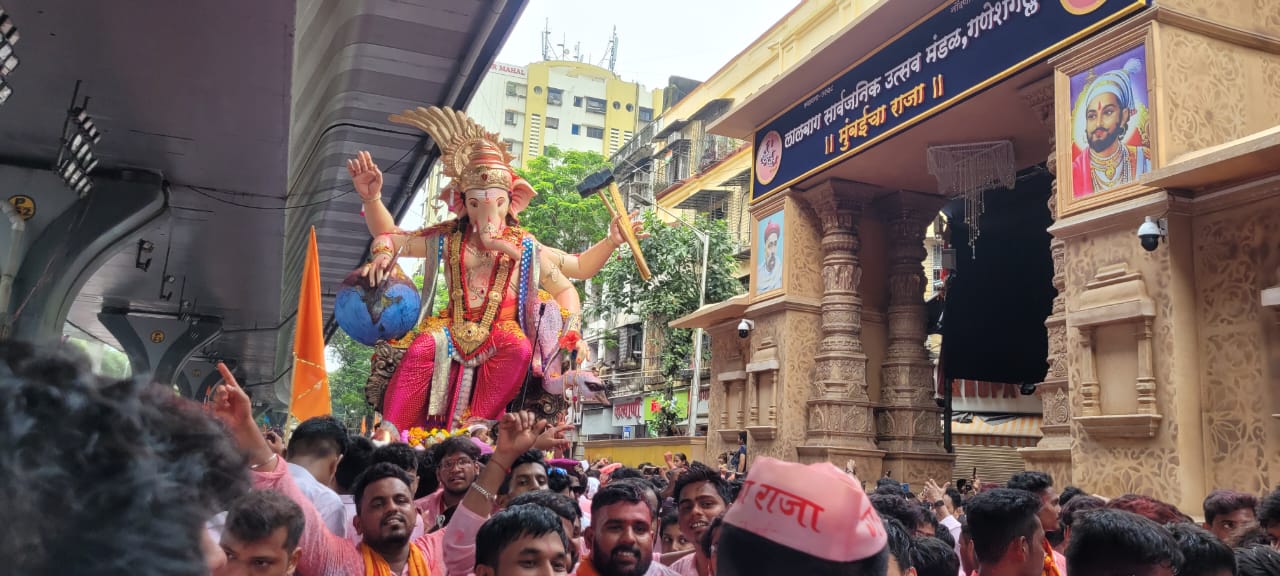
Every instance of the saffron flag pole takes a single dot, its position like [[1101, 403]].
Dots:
[[310, 394]]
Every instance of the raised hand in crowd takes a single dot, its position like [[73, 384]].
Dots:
[[231, 405]]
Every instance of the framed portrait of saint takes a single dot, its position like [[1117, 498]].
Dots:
[[770, 251], [1106, 137]]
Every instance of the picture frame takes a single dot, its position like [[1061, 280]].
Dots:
[[768, 250], [1107, 120]]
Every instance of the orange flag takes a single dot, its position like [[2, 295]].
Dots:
[[310, 396]]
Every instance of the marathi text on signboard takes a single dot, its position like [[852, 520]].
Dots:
[[958, 50]]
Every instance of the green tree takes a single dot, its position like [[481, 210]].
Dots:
[[347, 378], [558, 216], [674, 254]]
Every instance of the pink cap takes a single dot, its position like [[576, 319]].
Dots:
[[483, 446], [816, 509]]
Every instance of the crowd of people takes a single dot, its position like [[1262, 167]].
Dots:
[[122, 477]]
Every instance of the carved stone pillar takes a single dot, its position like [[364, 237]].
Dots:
[[839, 409], [1053, 453], [908, 420]]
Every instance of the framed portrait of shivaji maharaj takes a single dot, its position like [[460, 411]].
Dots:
[[1106, 132]]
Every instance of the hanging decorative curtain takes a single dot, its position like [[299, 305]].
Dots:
[[969, 170]]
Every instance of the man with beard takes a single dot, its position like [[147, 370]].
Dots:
[[457, 466], [622, 533], [385, 515], [769, 270], [1108, 161]]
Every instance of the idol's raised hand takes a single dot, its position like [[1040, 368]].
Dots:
[[637, 226], [366, 176]]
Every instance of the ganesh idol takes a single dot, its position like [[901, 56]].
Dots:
[[511, 303]]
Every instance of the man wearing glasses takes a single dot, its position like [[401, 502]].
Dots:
[[457, 466]]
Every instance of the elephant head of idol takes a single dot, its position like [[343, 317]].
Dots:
[[487, 195]]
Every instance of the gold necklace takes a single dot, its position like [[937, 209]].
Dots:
[[470, 336]]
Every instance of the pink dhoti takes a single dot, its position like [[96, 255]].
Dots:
[[498, 370]]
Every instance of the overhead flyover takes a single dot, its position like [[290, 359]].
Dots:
[[225, 129]]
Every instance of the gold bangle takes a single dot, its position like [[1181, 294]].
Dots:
[[377, 198]]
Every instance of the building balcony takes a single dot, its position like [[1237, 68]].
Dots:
[[630, 382], [713, 149]]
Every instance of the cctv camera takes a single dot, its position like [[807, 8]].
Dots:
[[1150, 233], [745, 327]]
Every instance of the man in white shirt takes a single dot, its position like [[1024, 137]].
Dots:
[[354, 462], [313, 454]]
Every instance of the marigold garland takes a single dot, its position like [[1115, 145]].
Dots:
[[428, 438]]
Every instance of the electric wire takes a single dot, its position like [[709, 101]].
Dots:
[[209, 193]]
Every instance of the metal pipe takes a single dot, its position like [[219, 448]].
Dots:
[[948, 397], [695, 386], [17, 229]]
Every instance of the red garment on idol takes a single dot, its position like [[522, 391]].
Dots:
[[498, 379]]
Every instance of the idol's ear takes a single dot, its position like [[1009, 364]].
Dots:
[[521, 194]]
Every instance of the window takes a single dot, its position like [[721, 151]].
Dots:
[[537, 89], [595, 105], [511, 117], [555, 96], [576, 129], [617, 105], [595, 132], [552, 122], [516, 89], [513, 146], [577, 101], [635, 345], [645, 114], [630, 107]]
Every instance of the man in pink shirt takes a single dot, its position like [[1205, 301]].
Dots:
[[385, 514], [457, 466], [701, 496]]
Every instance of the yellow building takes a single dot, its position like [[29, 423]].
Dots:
[[568, 104], [579, 106]]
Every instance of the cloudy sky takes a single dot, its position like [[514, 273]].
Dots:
[[656, 39]]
